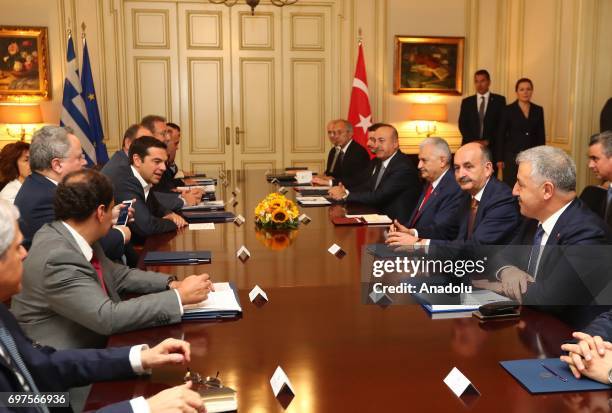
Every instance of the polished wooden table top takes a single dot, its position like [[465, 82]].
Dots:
[[340, 355]]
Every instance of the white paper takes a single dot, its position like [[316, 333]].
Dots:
[[469, 302], [456, 381], [202, 226], [223, 298], [302, 188], [312, 200], [279, 378], [303, 177], [241, 250], [257, 291], [334, 249], [373, 219]]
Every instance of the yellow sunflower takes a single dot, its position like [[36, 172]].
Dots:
[[279, 216]]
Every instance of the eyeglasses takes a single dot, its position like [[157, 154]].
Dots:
[[208, 381]]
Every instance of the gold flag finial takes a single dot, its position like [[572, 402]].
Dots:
[[83, 28], [359, 35]]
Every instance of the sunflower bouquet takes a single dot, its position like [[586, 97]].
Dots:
[[277, 212]]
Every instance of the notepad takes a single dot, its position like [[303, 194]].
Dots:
[[177, 257], [219, 400], [312, 200], [537, 379], [466, 302], [202, 226], [373, 219], [221, 303]]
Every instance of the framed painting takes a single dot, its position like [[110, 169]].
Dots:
[[24, 64], [428, 64]]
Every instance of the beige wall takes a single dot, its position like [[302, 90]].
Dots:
[[565, 46]]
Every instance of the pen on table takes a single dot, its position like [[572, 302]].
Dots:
[[554, 372]]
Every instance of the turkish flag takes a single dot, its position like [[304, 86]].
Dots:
[[360, 114]]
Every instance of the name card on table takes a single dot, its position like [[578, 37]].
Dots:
[[258, 296], [282, 190], [280, 383], [236, 191], [232, 201], [243, 254], [304, 219], [459, 384], [382, 299], [239, 220], [303, 177], [337, 251]]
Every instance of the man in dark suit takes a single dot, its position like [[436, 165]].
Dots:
[[435, 216], [347, 161], [168, 181], [29, 367], [147, 157], [54, 153], [554, 269], [488, 213], [120, 159], [600, 162], [481, 113], [393, 188]]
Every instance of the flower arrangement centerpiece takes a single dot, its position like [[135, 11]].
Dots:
[[275, 211]]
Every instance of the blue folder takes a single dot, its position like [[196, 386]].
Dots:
[[536, 379], [177, 257]]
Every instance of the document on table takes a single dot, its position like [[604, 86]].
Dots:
[[202, 226], [222, 299], [373, 219], [312, 200]]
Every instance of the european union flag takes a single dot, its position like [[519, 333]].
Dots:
[[96, 133], [74, 113]]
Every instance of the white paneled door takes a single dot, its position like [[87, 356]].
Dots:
[[249, 91]]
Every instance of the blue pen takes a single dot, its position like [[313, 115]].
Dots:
[[554, 372]]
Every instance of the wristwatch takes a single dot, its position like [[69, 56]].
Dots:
[[610, 376], [171, 279]]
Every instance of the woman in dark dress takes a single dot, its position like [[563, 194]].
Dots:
[[521, 127]]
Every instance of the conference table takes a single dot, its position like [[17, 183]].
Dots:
[[339, 353]]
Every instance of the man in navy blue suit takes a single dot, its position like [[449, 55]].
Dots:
[[27, 367], [488, 213], [554, 269], [435, 216], [54, 153], [120, 159]]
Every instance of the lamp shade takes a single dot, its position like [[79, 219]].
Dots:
[[428, 111], [20, 114]]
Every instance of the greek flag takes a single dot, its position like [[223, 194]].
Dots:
[[74, 114], [96, 136]]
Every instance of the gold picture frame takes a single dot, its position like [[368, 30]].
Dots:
[[24, 64], [428, 64]]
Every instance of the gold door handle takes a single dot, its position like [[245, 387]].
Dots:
[[238, 132], [227, 135]]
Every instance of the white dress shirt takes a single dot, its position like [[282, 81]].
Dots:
[[145, 185], [9, 192]]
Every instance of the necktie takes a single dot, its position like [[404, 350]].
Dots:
[[336, 156], [98, 267], [472, 217], [534, 256], [481, 115], [13, 358], [381, 172], [608, 212], [428, 192]]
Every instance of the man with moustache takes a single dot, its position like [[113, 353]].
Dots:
[[488, 213], [393, 188]]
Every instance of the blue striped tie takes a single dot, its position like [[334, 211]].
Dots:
[[15, 360], [532, 266]]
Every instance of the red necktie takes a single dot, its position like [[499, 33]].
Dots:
[[428, 192], [98, 267], [472, 217]]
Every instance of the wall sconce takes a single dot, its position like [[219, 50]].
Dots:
[[20, 115], [426, 115]]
